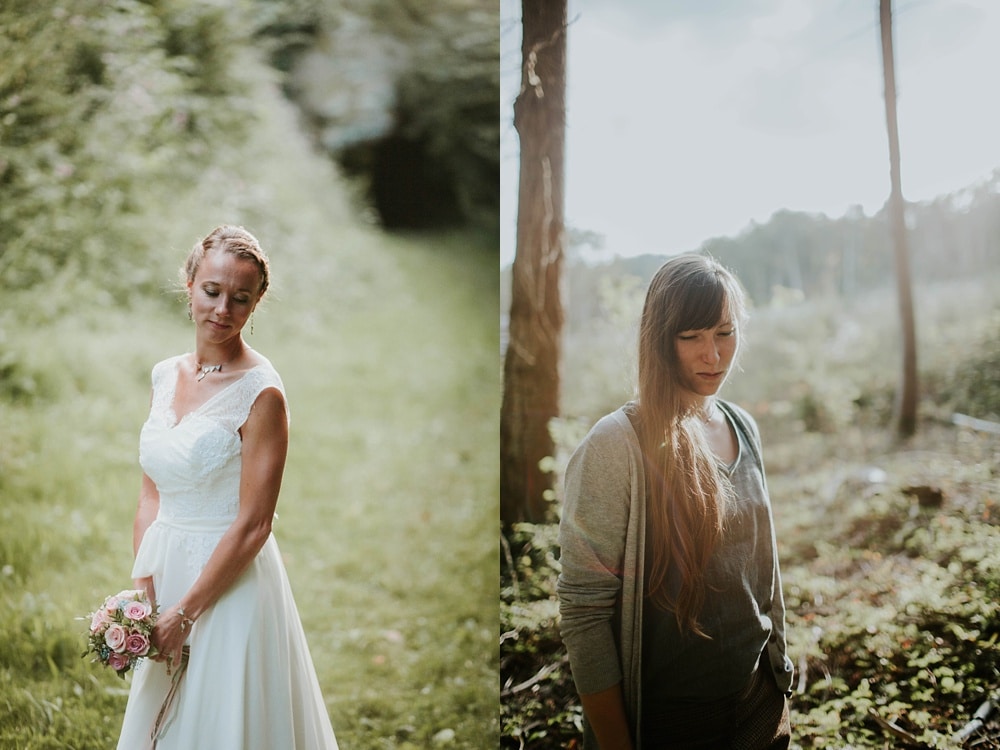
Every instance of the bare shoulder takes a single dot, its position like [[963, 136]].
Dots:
[[269, 404], [267, 421], [249, 360]]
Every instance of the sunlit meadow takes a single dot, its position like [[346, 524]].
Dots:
[[388, 512]]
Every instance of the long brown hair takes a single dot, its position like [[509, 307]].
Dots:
[[687, 492]]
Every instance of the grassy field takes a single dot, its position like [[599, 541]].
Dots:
[[388, 513]]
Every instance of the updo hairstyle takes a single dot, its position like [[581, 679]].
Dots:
[[229, 239]]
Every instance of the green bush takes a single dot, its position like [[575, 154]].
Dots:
[[105, 107], [892, 600], [973, 388], [538, 705]]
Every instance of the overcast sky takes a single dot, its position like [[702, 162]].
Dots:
[[689, 119]]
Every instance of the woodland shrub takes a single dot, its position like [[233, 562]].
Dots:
[[538, 705], [105, 108], [412, 115], [972, 387], [893, 614]]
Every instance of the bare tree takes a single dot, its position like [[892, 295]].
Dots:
[[531, 366], [906, 401]]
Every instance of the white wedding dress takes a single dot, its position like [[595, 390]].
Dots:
[[250, 683]]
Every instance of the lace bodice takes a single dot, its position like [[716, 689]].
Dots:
[[195, 462]]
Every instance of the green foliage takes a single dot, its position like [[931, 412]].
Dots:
[[34, 646], [386, 523], [600, 333], [285, 28], [103, 108], [18, 383], [538, 706], [449, 105], [55, 535], [892, 603], [892, 608], [973, 388], [78, 711], [530, 563], [412, 115], [387, 346], [893, 612]]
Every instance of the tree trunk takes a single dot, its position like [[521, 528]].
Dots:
[[531, 367], [906, 401]]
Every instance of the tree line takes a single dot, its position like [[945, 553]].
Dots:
[[954, 236], [833, 255]]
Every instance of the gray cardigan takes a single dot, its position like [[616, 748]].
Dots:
[[602, 538]]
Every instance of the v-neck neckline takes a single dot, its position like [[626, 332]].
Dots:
[[731, 424], [172, 398]]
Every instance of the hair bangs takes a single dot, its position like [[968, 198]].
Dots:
[[703, 304]]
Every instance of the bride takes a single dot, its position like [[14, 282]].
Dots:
[[233, 670]]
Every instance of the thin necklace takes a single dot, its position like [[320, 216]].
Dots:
[[204, 370], [707, 414]]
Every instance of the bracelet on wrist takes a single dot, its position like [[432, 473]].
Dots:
[[186, 622]]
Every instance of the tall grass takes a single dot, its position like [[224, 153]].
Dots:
[[388, 513]]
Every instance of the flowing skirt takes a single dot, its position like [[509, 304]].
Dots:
[[250, 683]]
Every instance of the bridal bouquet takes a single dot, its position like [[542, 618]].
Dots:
[[119, 630]]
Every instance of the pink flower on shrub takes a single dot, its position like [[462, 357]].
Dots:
[[117, 661], [137, 610], [137, 644], [115, 637]]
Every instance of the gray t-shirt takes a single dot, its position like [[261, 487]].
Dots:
[[602, 537], [738, 600]]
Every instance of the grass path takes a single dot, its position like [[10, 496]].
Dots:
[[388, 513]]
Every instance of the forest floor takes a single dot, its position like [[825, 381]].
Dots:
[[890, 548], [890, 555], [388, 515]]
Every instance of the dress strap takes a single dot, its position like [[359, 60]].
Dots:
[[237, 405], [744, 427]]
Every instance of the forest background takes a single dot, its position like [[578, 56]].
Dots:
[[888, 547], [888, 543], [359, 141]]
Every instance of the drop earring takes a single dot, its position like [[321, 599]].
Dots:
[[251, 324], [190, 314]]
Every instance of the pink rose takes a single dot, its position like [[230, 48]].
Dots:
[[118, 662], [137, 610], [98, 620], [111, 604], [137, 644], [115, 637]]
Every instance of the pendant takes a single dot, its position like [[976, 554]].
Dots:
[[205, 370]]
